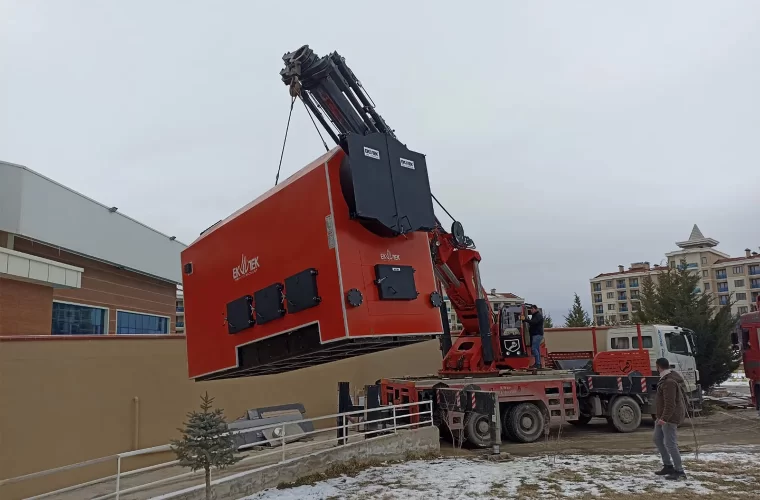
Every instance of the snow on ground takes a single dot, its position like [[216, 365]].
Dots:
[[576, 476]]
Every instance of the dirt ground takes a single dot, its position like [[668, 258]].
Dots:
[[726, 431]]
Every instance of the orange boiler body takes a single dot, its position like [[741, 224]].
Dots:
[[290, 281]]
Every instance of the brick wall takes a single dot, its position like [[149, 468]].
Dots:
[[25, 308], [107, 286]]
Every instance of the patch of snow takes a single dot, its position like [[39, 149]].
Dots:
[[735, 383], [572, 476]]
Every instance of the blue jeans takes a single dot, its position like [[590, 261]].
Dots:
[[666, 440], [535, 348]]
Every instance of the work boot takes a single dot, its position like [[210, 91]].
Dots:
[[676, 475], [666, 470]]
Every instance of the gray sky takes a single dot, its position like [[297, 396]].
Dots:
[[568, 137]]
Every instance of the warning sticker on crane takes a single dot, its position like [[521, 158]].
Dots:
[[371, 153], [407, 163]]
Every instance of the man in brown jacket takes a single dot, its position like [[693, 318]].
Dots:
[[671, 412]]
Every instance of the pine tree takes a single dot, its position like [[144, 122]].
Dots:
[[548, 323], [577, 316], [674, 300], [205, 442]]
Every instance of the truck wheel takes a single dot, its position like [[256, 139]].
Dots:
[[477, 429], [582, 420], [526, 423], [625, 414], [506, 414]]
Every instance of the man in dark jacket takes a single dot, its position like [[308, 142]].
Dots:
[[671, 412], [536, 330]]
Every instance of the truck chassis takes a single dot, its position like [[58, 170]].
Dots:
[[529, 403]]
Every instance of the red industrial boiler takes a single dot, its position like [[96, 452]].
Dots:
[[332, 263]]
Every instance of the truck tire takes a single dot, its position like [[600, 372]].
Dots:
[[582, 420], [506, 414], [526, 423], [477, 429], [625, 414]]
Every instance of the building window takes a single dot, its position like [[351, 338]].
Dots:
[[611, 307], [738, 269], [610, 295], [743, 310], [635, 306], [723, 300], [633, 282], [739, 283], [723, 287], [608, 284], [137, 323], [754, 270], [705, 273], [600, 320], [597, 287], [704, 261], [599, 309], [741, 296], [672, 264], [634, 294], [597, 297], [720, 274], [78, 319]]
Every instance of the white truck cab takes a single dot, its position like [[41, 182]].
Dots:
[[662, 341]]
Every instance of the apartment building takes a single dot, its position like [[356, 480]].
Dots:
[[615, 295], [496, 299]]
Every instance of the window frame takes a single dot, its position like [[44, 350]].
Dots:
[[635, 340], [668, 343], [168, 322], [106, 326]]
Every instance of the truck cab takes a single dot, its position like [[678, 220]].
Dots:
[[748, 340], [661, 341]]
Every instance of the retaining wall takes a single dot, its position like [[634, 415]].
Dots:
[[391, 447]]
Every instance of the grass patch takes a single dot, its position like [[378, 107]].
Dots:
[[566, 475], [352, 468]]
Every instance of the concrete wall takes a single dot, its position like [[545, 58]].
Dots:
[[66, 400], [393, 447]]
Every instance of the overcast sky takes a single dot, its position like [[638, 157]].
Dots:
[[568, 137]]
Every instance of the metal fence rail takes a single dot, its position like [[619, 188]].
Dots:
[[424, 412]]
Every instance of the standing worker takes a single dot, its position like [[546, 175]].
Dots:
[[671, 412], [536, 330]]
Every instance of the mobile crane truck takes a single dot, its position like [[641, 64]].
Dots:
[[346, 257]]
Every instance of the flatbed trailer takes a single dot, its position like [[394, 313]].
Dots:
[[529, 402]]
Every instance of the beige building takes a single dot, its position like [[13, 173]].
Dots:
[[615, 296], [497, 300]]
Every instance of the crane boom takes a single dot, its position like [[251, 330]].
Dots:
[[333, 93]]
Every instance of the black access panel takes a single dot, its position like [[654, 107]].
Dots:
[[268, 304], [395, 282], [411, 186], [301, 291], [240, 314]]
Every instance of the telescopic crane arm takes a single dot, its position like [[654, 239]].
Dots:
[[331, 91]]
